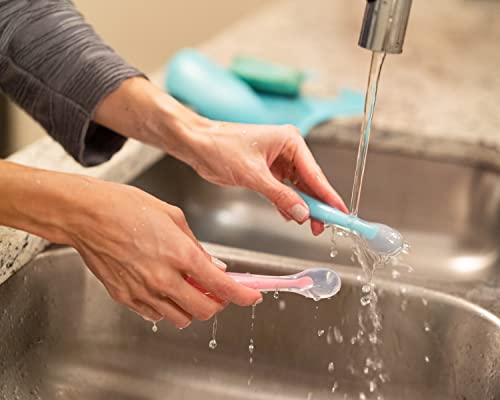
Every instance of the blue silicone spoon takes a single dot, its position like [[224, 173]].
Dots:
[[381, 238]]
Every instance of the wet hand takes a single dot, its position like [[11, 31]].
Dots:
[[143, 251], [262, 158], [259, 157]]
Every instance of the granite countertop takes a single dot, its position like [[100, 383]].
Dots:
[[438, 99]]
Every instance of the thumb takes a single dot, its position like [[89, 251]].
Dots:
[[285, 199]]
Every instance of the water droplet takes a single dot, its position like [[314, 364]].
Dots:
[[249, 382], [366, 288], [338, 335], [251, 347], [383, 378], [250, 360], [372, 337], [329, 335], [366, 370], [154, 328], [333, 252], [309, 396], [362, 396], [276, 295], [358, 278], [404, 305], [365, 300], [403, 290], [212, 344], [395, 274], [425, 302], [282, 305], [321, 332], [427, 327], [372, 386], [335, 387], [331, 367], [427, 359], [353, 259]]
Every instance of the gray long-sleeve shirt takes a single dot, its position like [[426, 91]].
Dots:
[[57, 69]]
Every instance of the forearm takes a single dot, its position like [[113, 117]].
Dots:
[[140, 110], [41, 202]]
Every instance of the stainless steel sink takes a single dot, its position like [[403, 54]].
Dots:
[[63, 338], [449, 213]]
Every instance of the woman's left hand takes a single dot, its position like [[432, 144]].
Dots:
[[261, 158]]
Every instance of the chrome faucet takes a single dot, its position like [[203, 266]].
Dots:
[[384, 25]]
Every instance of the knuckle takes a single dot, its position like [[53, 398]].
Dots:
[[120, 296], [177, 214], [159, 280], [206, 314], [292, 130], [281, 196], [160, 284], [193, 259]]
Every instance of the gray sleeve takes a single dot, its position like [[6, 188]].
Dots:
[[57, 69]]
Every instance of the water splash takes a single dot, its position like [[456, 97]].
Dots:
[[251, 344], [213, 342]]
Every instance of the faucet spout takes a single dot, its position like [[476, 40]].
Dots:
[[384, 25]]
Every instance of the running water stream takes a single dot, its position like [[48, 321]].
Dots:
[[369, 318], [372, 325], [366, 126]]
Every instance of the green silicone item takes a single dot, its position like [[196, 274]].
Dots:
[[267, 77]]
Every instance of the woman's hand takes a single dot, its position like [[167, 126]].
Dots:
[[142, 250], [261, 158], [258, 157], [139, 247]]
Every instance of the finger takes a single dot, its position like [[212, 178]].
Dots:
[[195, 302], [285, 216], [201, 289], [144, 311], [221, 285], [169, 310], [181, 222], [284, 198], [317, 227], [312, 175]]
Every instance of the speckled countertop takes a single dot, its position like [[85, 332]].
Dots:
[[439, 99]]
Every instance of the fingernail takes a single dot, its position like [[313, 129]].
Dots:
[[299, 213], [185, 326], [220, 264], [258, 301]]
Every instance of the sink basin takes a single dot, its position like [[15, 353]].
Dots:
[[63, 338], [449, 213]]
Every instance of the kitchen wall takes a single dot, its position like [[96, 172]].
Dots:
[[143, 32]]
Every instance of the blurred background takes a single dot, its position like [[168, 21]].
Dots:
[[144, 36]]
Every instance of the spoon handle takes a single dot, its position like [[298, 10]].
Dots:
[[269, 283]]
